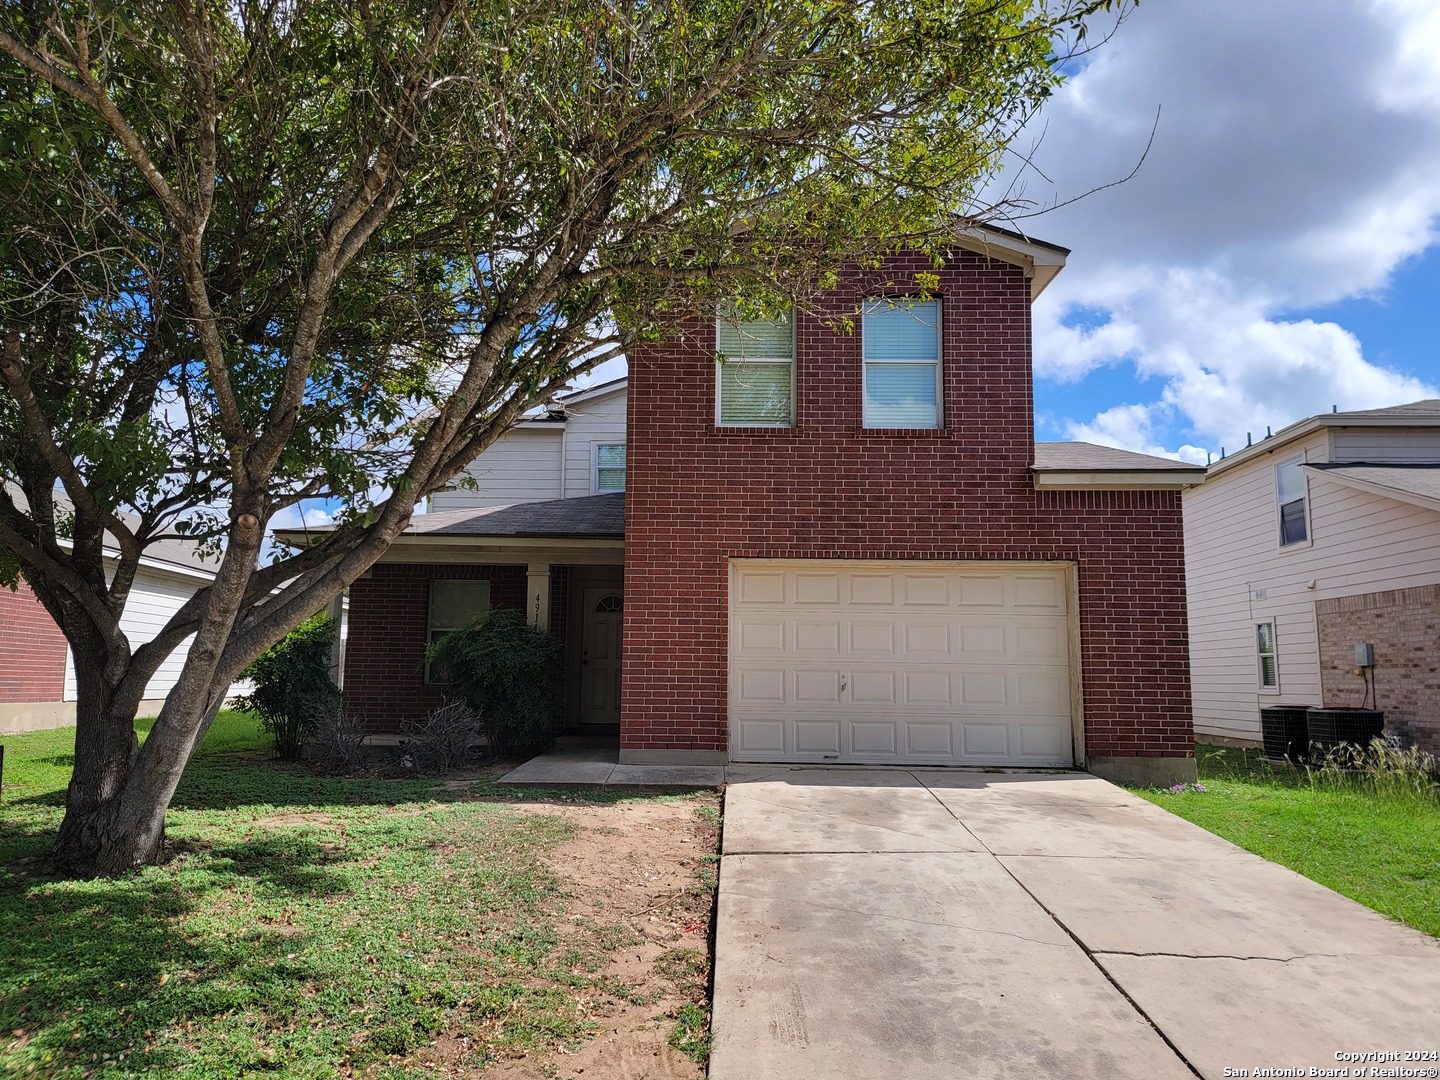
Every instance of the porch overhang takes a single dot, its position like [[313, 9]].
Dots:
[[586, 531]]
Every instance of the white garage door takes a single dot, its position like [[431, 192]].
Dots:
[[899, 662]]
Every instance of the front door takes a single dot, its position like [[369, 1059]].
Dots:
[[603, 610]]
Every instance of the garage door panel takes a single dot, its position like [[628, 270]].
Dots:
[[1043, 592], [817, 637], [981, 590], [934, 663], [926, 590], [765, 737], [817, 736], [872, 589], [927, 637], [761, 686], [985, 740], [929, 688], [873, 688], [984, 688], [761, 637], [817, 686], [817, 588], [760, 587], [874, 737], [931, 740]]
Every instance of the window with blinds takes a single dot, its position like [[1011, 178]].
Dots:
[[453, 604], [900, 343], [1290, 494], [1268, 666], [755, 375], [609, 467]]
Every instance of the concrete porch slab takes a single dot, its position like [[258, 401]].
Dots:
[[590, 764]]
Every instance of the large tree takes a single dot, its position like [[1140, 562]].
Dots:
[[261, 251]]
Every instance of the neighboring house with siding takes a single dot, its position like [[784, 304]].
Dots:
[[574, 447], [37, 669], [1321, 537], [832, 547]]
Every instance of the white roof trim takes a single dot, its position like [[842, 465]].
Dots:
[[1310, 425], [1039, 261]]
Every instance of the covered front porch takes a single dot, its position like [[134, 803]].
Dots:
[[560, 562]]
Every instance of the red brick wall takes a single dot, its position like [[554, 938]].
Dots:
[[32, 650], [385, 642], [698, 496], [1404, 627]]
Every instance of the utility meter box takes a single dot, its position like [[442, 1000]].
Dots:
[[1365, 655]]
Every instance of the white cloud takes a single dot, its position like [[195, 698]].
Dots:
[[1296, 163]]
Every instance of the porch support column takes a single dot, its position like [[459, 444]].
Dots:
[[537, 586]]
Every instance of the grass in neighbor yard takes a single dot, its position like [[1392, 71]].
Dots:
[[308, 926], [1375, 843]]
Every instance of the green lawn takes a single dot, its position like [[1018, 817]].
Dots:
[[1379, 847], [309, 927]]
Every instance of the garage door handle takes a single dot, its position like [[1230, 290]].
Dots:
[[844, 682]]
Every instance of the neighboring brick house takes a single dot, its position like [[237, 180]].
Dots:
[[836, 547], [1319, 538]]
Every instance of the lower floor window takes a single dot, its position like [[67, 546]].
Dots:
[[453, 604], [1265, 652]]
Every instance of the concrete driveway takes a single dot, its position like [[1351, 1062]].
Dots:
[[906, 924]]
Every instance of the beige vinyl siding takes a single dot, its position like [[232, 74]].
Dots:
[[599, 421], [1358, 543], [522, 465], [543, 460], [1394, 445]]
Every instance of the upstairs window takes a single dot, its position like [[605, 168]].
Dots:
[[1269, 670], [453, 604], [901, 348], [609, 467], [755, 380], [1290, 494]]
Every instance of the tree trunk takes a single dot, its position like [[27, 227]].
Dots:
[[124, 827], [105, 752]]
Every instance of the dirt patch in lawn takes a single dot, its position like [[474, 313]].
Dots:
[[636, 910]]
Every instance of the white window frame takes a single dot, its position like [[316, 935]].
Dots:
[[595, 467], [719, 404], [432, 632], [1305, 541], [1261, 654], [865, 363]]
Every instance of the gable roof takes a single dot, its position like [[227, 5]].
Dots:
[[1413, 414]]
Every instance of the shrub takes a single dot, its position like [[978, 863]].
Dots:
[[292, 682], [446, 739], [336, 740], [508, 671]]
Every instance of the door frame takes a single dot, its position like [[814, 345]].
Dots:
[[582, 578]]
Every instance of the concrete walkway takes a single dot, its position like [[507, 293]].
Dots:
[[904, 924]]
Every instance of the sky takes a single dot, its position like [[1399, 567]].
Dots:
[[1275, 254]]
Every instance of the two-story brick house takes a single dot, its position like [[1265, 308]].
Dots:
[[836, 547]]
